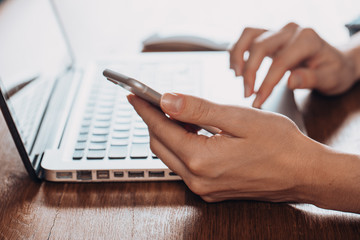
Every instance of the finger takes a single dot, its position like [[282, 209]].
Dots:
[[267, 44], [242, 45], [302, 78], [168, 157], [305, 45], [165, 129], [233, 120]]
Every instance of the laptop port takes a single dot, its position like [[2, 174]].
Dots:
[[84, 175], [118, 174], [156, 174], [172, 174], [103, 174], [63, 175], [137, 174]]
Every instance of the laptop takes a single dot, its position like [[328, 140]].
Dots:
[[70, 124]]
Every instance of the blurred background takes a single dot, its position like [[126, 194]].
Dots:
[[99, 28], [113, 27]]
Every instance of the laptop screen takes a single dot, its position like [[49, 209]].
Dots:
[[33, 54]]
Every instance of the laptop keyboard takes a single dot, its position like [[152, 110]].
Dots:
[[28, 106], [111, 129]]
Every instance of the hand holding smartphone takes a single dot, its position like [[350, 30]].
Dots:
[[143, 91]]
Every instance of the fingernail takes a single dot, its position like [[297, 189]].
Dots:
[[295, 81], [172, 102], [257, 101], [129, 98]]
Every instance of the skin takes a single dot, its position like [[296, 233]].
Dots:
[[257, 155], [313, 63]]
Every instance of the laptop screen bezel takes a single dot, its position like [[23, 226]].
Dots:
[[34, 173]]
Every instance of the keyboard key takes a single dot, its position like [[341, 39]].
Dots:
[[100, 131], [122, 120], [78, 154], [82, 138], [121, 127], [96, 154], [101, 124], [87, 117], [139, 151], [91, 103], [98, 139], [120, 134], [86, 123], [124, 113], [141, 132], [89, 110], [97, 146], [101, 118], [104, 111], [119, 142], [117, 152], [140, 125], [84, 130], [140, 139], [80, 146], [108, 105]]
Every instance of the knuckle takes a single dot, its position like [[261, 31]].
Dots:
[[291, 25], [248, 30], [203, 168], [307, 33], [201, 111], [196, 166], [258, 46]]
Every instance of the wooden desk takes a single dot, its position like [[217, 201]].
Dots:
[[169, 210]]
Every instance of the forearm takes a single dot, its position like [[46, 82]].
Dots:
[[335, 181]]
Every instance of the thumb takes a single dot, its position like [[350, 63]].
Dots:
[[198, 111], [302, 78]]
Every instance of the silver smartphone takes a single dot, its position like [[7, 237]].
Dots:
[[140, 89], [134, 86]]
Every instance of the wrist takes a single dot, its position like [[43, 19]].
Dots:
[[352, 52], [353, 55], [333, 180]]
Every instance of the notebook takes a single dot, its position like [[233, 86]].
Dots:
[[70, 124]]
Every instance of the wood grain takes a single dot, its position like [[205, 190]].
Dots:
[[30, 210]]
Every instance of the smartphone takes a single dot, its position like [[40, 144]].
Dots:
[[141, 90]]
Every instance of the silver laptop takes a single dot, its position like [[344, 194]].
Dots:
[[71, 124]]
